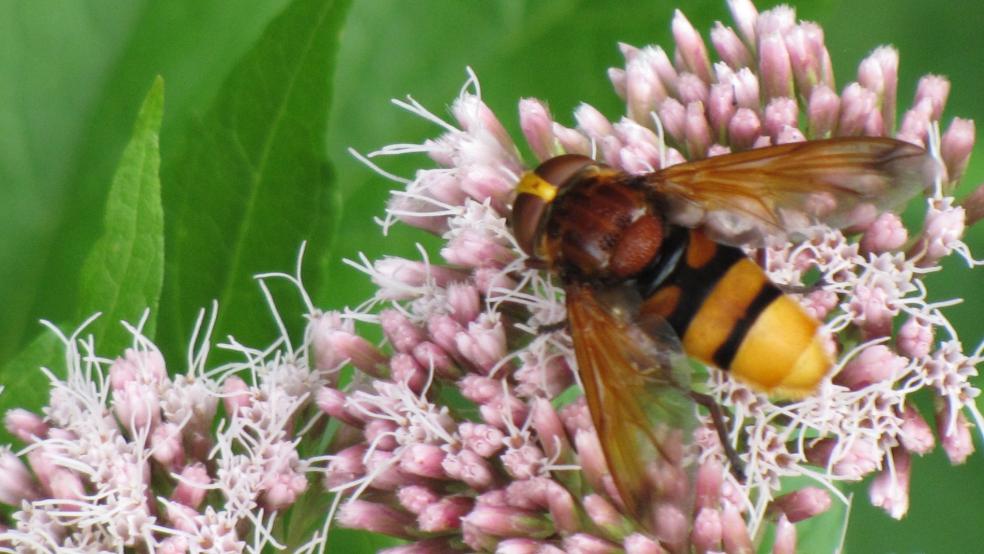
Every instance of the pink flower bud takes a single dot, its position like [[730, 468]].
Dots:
[[915, 338], [729, 47], [774, 67], [954, 433], [885, 234], [746, 87], [936, 89], [890, 488], [400, 332], [583, 543], [549, 428], [469, 467], [916, 123], [673, 116], [16, 484], [858, 104], [502, 521], [879, 74], [744, 129], [734, 532], [475, 248], [445, 514], [484, 343], [802, 504], [443, 329], [524, 461], [637, 543], [707, 532], [956, 147], [942, 230], [571, 142], [916, 436], [192, 486], [144, 365], [137, 406], [415, 498], [780, 19], [606, 516], [593, 123], [720, 108], [345, 466], [405, 369], [175, 544], [671, 527], [745, 15], [417, 212], [376, 518], [785, 542], [691, 89], [334, 342], [871, 310], [25, 425], [381, 434], [484, 440], [710, 476], [235, 395], [820, 302], [618, 78], [644, 89], [430, 355], [333, 402], [691, 47], [696, 130], [874, 364], [592, 458], [423, 459], [526, 546], [537, 127], [823, 111], [781, 112], [475, 117], [166, 446], [464, 302]]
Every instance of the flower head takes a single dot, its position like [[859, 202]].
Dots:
[[465, 429]]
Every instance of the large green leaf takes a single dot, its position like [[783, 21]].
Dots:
[[72, 74], [250, 182], [123, 273]]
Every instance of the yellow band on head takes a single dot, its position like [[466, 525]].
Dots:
[[531, 183]]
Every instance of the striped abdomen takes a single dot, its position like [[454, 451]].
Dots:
[[728, 314]]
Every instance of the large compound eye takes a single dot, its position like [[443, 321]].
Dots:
[[535, 191]]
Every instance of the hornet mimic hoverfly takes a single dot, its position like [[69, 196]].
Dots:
[[652, 270]]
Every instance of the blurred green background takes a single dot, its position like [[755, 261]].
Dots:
[[73, 74]]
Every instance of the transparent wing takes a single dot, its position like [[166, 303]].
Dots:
[[839, 182], [636, 384]]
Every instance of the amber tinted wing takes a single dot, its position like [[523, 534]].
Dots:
[[839, 182], [636, 385]]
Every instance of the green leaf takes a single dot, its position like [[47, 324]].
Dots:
[[251, 182], [71, 79], [122, 275], [25, 386]]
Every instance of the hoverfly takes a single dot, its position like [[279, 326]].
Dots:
[[652, 270]]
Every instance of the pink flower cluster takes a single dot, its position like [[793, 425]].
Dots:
[[465, 430], [774, 84]]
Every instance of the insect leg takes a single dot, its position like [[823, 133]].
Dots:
[[717, 416]]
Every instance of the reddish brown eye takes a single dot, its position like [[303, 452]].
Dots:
[[535, 191]]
